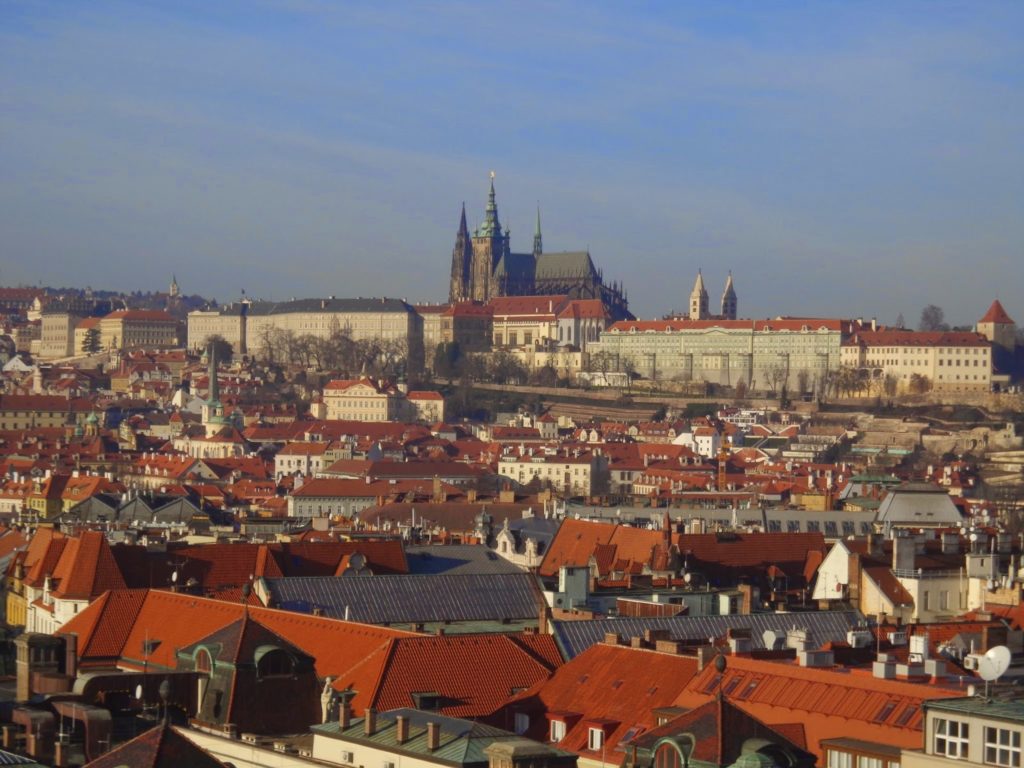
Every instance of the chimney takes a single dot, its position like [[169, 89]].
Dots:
[[345, 713], [903, 552], [612, 638], [370, 721], [71, 655], [401, 729], [433, 736]]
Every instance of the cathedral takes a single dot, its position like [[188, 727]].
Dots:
[[483, 266]]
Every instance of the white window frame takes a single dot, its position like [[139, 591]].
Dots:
[[951, 738], [557, 732], [1002, 747], [595, 739], [839, 759]]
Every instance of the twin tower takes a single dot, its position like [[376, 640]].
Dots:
[[699, 300]]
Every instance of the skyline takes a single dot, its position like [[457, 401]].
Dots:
[[839, 161]]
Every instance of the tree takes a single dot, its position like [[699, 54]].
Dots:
[[546, 376], [740, 389], [447, 356], [224, 349], [932, 319], [900, 323], [91, 341], [803, 380], [890, 384], [919, 384], [774, 375]]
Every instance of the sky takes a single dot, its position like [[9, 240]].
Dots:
[[841, 159]]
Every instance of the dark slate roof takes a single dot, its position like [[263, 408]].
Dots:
[[457, 559], [159, 747], [180, 510], [412, 599], [540, 529], [553, 266], [101, 506], [517, 266], [826, 626], [462, 742], [329, 305]]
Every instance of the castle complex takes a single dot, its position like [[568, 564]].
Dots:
[[484, 266]]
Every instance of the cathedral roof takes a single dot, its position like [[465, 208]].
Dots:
[[553, 266]]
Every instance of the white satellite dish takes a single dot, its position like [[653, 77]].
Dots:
[[993, 664], [138, 691]]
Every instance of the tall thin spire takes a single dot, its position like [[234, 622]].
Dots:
[[491, 226], [213, 390], [538, 242]]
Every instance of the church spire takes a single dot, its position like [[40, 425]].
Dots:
[[538, 242], [729, 299], [491, 226], [461, 256], [699, 299]]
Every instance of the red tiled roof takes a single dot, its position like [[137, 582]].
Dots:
[[140, 314], [901, 338], [996, 314], [779, 324], [86, 568], [119, 621], [831, 703], [159, 747], [449, 665], [616, 687]]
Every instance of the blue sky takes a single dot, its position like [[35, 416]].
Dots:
[[855, 159]]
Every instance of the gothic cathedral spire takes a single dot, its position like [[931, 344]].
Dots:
[[538, 243], [462, 256]]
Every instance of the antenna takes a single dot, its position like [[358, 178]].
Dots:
[[993, 664]]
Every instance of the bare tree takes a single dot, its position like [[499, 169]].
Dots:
[[803, 380]]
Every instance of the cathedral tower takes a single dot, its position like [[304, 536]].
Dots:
[[462, 256], [699, 299], [490, 246], [729, 299]]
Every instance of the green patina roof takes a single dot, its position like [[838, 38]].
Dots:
[[977, 706]]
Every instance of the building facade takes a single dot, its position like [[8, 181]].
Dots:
[[950, 361], [763, 354]]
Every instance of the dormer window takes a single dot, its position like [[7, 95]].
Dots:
[[557, 730], [595, 739]]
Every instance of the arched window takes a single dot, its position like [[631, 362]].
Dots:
[[273, 662], [669, 754]]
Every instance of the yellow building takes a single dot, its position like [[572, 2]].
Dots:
[[951, 361], [362, 400], [131, 328]]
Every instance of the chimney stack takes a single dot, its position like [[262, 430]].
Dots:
[[345, 713], [401, 729], [370, 721], [433, 736]]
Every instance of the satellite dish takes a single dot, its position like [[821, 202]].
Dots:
[[138, 691], [174, 577], [993, 664]]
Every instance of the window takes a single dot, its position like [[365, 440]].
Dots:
[[522, 723], [839, 759], [557, 730], [1002, 747], [951, 738], [595, 739], [863, 761]]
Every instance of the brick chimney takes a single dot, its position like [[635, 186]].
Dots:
[[370, 721], [401, 729], [433, 736]]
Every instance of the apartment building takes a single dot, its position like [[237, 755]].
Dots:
[[950, 361]]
